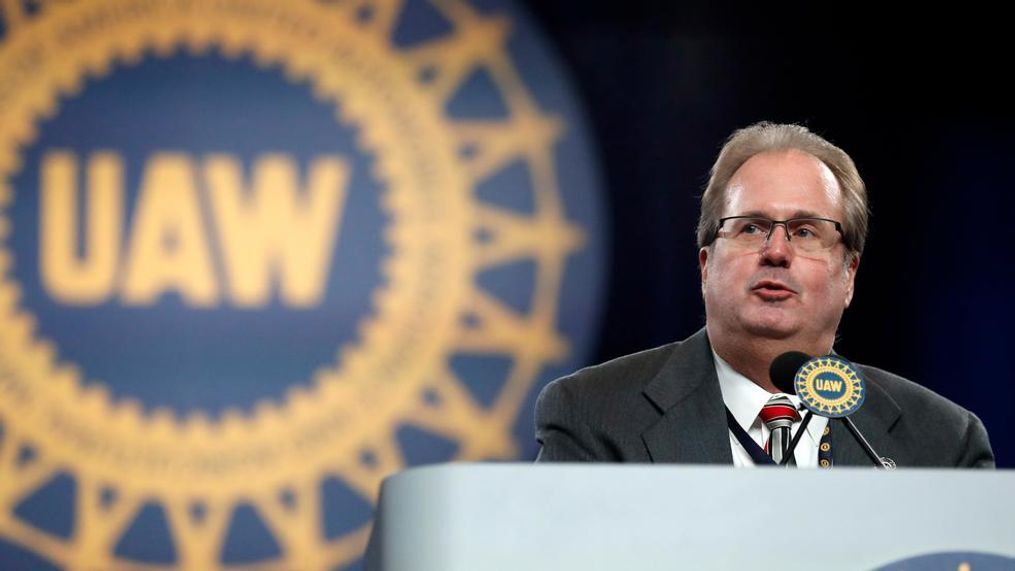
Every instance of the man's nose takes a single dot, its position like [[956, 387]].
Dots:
[[778, 251]]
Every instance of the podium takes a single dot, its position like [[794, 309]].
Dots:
[[525, 517]]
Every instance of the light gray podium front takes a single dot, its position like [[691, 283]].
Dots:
[[608, 516]]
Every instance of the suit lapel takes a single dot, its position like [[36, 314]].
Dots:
[[875, 420], [692, 427]]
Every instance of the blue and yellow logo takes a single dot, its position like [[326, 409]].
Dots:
[[953, 561], [830, 386], [256, 255]]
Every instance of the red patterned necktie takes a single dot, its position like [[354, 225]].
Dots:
[[778, 414]]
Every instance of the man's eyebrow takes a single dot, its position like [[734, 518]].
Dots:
[[797, 214]]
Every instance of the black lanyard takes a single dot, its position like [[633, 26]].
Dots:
[[760, 457]]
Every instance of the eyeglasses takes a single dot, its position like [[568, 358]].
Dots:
[[806, 234]]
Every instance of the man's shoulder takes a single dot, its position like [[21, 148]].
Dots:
[[600, 412], [630, 377], [642, 365], [927, 427], [625, 375], [908, 395]]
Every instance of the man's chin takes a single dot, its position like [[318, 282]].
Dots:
[[771, 329]]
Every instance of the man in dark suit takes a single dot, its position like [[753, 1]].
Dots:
[[782, 228]]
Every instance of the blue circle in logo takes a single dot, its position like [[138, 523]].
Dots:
[[179, 114]]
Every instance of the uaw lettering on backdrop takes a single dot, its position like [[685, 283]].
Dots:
[[270, 230]]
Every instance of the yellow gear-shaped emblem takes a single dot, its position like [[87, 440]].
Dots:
[[830, 386], [124, 457]]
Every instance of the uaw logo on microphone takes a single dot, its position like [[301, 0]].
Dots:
[[257, 255], [830, 386]]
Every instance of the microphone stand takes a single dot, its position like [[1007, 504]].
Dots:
[[796, 439], [863, 443], [867, 448]]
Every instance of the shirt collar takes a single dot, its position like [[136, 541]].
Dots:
[[744, 400], [742, 396]]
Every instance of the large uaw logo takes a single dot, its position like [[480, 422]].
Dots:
[[256, 255]]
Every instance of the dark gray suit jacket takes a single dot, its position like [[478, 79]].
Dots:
[[664, 405]]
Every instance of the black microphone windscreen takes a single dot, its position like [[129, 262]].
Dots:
[[784, 368]]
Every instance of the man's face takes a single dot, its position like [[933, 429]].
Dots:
[[777, 292]]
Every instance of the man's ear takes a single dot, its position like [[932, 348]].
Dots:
[[852, 264], [703, 265]]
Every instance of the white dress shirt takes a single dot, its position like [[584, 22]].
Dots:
[[745, 400]]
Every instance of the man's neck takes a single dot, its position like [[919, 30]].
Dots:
[[752, 356]]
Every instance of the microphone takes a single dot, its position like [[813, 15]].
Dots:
[[832, 387], [784, 368], [782, 372]]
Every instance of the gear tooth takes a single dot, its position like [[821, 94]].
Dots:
[[320, 93], [389, 168], [342, 114], [198, 426], [46, 353], [47, 108], [129, 410], [264, 409], [403, 203], [96, 68], [31, 133], [201, 44], [378, 172], [8, 294], [131, 55], [296, 73], [323, 376], [164, 47], [162, 421], [16, 163], [264, 56], [343, 356], [64, 379], [367, 329], [354, 361], [231, 423], [326, 383], [69, 83], [390, 236], [380, 298], [297, 403], [95, 398], [368, 139], [230, 49]]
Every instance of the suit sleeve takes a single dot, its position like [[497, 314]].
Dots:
[[562, 435], [977, 452]]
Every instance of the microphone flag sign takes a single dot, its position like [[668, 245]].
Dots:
[[830, 386]]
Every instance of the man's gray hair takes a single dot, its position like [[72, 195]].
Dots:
[[767, 137]]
